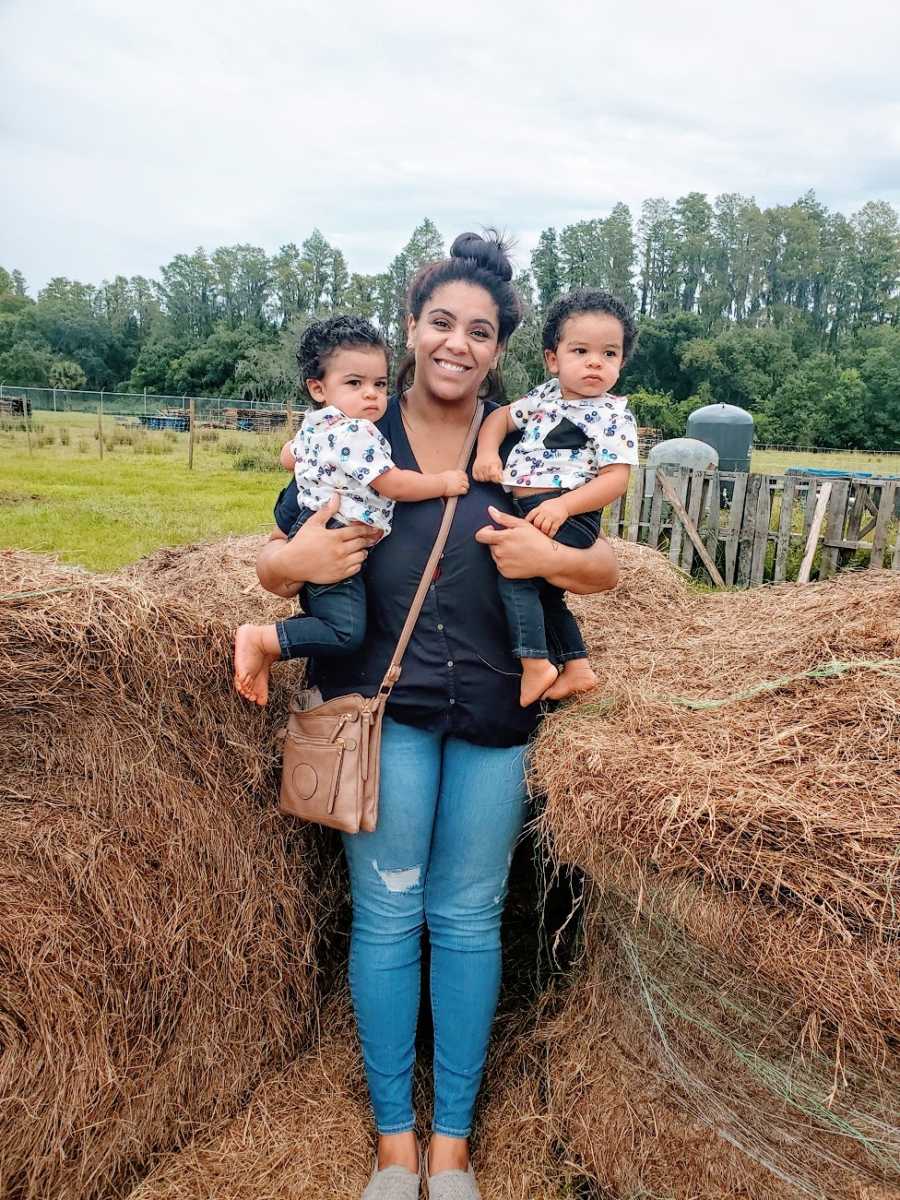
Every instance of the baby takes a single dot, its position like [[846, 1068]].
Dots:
[[575, 455], [343, 363]]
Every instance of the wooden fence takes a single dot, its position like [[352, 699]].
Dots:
[[757, 528]]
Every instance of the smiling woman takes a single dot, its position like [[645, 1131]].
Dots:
[[452, 796]]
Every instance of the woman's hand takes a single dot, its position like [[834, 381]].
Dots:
[[522, 552], [315, 554], [519, 549]]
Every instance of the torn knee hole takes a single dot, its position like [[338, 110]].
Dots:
[[402, 880]]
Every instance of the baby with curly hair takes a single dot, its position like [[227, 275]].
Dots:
[[343, 363], [575, 455]]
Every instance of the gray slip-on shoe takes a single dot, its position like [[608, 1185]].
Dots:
[[453, 1185], [392, 1183]]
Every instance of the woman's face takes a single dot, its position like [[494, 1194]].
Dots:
[[455, 341]]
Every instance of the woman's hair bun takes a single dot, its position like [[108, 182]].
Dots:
[[489, 252]]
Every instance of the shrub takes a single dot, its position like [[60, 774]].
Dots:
[[260, 459]]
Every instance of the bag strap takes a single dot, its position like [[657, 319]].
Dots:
[[393, 672]]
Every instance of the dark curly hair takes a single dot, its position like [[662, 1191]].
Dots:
[[320, 339], [483, 261], [588, 300]]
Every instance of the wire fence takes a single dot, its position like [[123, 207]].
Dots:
[[224, 411], [153, 422]]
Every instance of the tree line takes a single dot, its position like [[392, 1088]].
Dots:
[[792, 312]]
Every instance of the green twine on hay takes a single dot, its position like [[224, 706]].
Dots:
[[826, 671], [66, 587]]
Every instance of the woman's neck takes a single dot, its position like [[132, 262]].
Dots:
[[426, 411], [436, 430]]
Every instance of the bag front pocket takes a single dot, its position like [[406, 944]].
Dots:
[[310, 777]]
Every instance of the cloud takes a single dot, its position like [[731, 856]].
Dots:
[[134, 133]]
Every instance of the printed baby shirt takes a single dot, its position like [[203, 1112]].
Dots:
[[566, 442], [337, 453]]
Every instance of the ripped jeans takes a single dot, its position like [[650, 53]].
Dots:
[[450, 813]]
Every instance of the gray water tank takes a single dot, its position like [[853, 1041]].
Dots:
[[686, 452], [726, 428]]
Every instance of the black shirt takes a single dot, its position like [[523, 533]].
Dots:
[[458, 675]]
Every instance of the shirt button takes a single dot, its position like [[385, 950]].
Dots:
[[449, 662], [440, 629]]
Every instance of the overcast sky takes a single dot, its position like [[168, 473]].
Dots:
[[133, 132]]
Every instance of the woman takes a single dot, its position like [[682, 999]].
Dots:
[[453, 794]]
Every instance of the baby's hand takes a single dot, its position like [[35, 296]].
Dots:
[[456, 483], [548, 517], [488, 468]]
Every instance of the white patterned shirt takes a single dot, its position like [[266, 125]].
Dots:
[[337, 453], [565, 443]]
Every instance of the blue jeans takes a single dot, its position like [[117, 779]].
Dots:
[[334, 620], [449, 816], [536, 611]]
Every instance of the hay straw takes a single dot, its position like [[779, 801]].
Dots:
[[747, 838], [306, 1133], [158, 920], [790, 796], [656, 1085], [224, 570]]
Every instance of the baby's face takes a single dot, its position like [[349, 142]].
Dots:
[[588, 358], [355, 381]]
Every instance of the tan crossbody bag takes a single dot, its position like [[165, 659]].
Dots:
[[331, 754]]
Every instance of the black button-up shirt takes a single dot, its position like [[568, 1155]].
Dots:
[[458, 675]]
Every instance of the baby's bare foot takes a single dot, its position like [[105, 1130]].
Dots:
[[537, 675], [253, 658], [576, 676]]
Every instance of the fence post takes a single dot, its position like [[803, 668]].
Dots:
[[290, 416], [100, 424], [54, 399], [145, 402], [191, 418], [26, 412]]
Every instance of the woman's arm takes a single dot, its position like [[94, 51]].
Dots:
[[521, 551], [315, 554]]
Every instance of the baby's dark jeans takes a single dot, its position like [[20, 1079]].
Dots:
[[334, 620], [536, 611]]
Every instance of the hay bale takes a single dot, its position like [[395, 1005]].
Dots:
[[733, 788], [220, 574], [306, 1133], [747, 751], [158, 921], [639, 1120]]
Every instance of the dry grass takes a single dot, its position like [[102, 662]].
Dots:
[[217, 576], [733, 790], [651, 1105], [158, 920], [785, 801], [730, 1032], [305, 1135]]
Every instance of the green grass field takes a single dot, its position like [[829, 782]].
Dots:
[[103, 514], [62, 499]]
